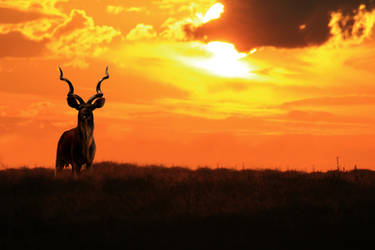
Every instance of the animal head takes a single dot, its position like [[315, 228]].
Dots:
[[85, 108]]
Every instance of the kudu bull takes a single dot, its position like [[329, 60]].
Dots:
[[77, 146]]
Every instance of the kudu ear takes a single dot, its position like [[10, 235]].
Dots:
[[72, 102], [98, 103]]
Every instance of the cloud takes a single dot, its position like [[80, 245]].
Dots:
[[79, 37], [33, 8], [141, 32], [9, 15], [169, 4], [351, 29], [332, 101], [277, 23], [115, 10], [314, 117], [15, 44], [195, 15], [34, 27], [174, 29], [34, 20], [134, 9], [34, 109]]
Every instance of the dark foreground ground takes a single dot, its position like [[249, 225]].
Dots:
[[176, 208]]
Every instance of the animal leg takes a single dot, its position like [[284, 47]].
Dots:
[[74, 169], [88, 166], [77, 169]]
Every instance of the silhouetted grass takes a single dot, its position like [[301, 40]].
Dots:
[[144, 207]]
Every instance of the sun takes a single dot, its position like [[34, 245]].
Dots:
[[224, 60], [221, 58], [214, 12]]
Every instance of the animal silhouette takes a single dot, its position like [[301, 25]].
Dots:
[[77, 146]]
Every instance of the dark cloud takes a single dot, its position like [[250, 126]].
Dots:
[[8, 16], [15, 44], [253, 23]]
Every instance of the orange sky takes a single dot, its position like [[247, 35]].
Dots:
[[179, 97]]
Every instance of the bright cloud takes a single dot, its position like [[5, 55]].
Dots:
[[79, 37], [352, 29], [141, 32]]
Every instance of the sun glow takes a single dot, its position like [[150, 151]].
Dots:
[[225, 60], [214, 12]]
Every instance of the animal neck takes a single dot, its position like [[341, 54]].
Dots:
[[85, 132], [85, 129]]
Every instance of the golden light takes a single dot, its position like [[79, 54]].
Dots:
[[225, 60], [214, 12]]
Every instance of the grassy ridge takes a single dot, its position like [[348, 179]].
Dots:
[[179, 208]]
